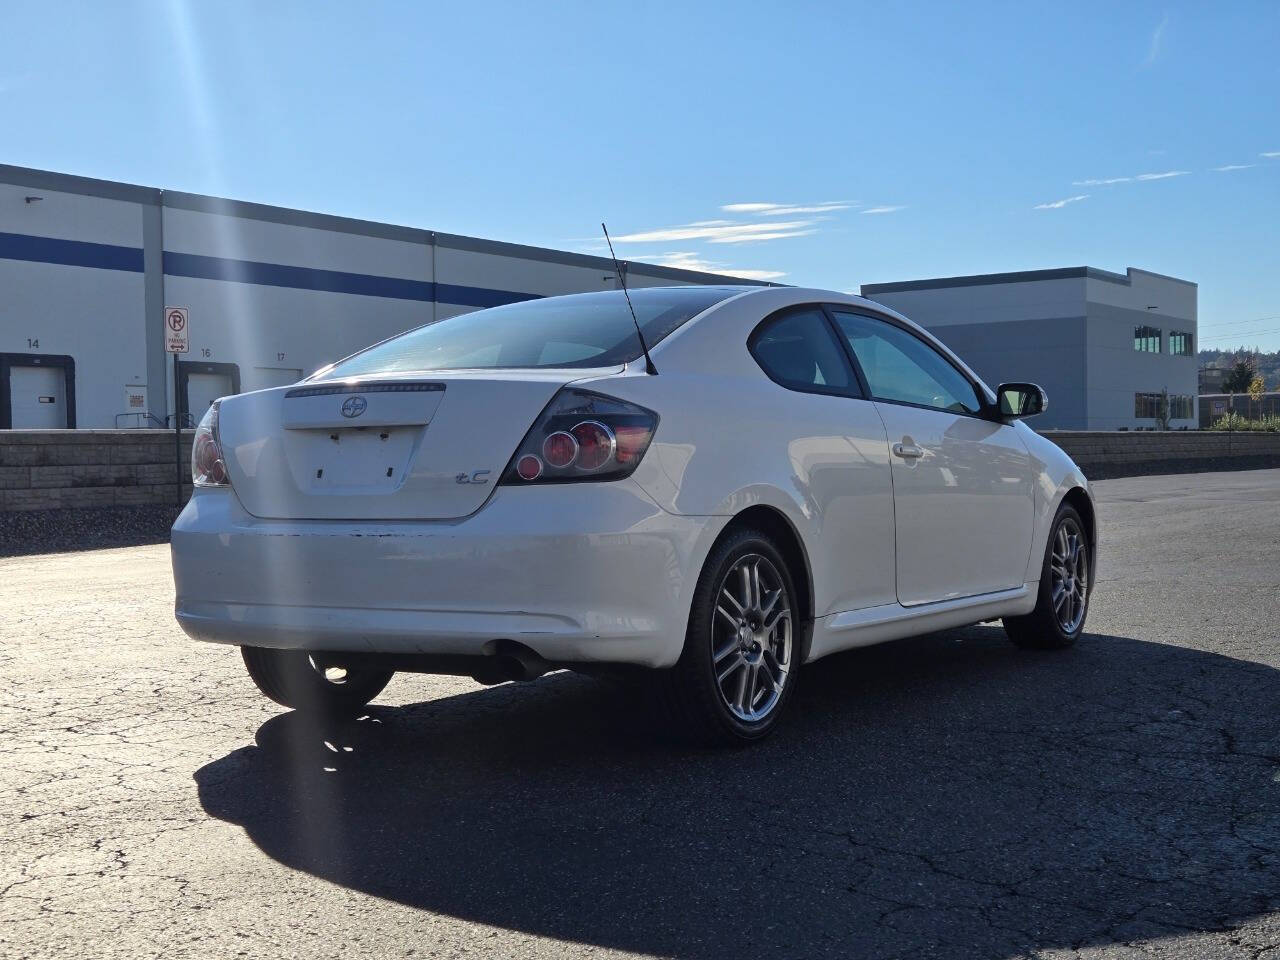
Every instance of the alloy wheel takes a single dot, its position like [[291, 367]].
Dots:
[[752, 638], [1069, 576]]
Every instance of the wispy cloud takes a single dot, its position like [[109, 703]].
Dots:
[[1059, 204], [748, 222], [884, 209], [1108, 181], [691, 261], [1233, 166], [1270, 153], [787, 209], [724, 231], [1157, 41]]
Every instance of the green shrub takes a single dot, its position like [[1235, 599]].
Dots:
[[1234, 421]]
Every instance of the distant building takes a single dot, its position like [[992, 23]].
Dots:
[[87, 268], [1215, 406], [1103, 345]]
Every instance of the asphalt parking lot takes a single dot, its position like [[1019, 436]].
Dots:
[[949, 796]]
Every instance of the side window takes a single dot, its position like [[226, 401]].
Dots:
[[797, 350], [903, 368]]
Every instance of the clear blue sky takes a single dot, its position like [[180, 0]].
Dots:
[[933, 139]]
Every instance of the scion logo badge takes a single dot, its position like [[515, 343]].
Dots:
[[354, 406]]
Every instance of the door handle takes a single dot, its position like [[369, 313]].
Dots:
[[907, 451]]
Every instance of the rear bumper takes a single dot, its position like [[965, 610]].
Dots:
[[578, 573]]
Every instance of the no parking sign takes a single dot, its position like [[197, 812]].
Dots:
[[177, 339], [177, 331]]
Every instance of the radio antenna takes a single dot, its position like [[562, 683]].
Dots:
[[649, 368]]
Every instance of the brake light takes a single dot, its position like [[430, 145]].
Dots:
[[583, 436], [208, 468], [596, 444], [560, 449], [529, 467]]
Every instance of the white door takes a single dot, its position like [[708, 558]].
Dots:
[[266, 377], [203, 389], [836, 453], [962, 493], [38, 398]]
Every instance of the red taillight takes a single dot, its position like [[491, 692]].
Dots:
[[595, 444], [560, 449], [208, 468], [529, 467], [583, 435], [208, 460], [632, 442]]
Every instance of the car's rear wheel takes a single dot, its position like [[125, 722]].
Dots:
[[742, 647], [294, 678], [1063, 598]]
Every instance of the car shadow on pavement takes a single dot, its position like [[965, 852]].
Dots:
[[949, 795]]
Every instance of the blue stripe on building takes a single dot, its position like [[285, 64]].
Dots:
[[479, 296], [78, 253], [297, 278], [71, 253]]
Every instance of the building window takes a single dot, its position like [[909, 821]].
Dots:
[[1146, 339], [1179, 343], [1146, 406]]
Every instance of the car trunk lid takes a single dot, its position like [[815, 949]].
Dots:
[[425, 448]]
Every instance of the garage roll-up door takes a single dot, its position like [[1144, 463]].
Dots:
[[37, 391], [199, 384]]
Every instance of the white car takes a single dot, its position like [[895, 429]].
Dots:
[[786, 474]]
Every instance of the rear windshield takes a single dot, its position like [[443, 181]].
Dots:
[[582, 330]]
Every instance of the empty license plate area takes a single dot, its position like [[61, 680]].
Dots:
[[353, 460]]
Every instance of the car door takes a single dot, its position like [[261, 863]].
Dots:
[[835, 456], [962, 492]]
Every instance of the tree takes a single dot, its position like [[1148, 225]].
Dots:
[[1162, 410], [1241, 375], [1256, 388]]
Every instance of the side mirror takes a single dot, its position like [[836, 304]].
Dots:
[[1021, 400]]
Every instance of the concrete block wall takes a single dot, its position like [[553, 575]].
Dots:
[[57, 469], [51, 469], [1114, 453]]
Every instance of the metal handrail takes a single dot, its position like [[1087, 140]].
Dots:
[[145, 420]]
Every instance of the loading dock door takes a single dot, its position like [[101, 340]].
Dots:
[[199, 384], [203, 389], [38, 398], [275, 377]]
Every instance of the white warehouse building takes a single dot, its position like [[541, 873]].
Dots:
[[87, 268], [1104, 346]]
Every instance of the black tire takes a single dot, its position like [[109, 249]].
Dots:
[[1047, 627], [690, 693], [291, 679]]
